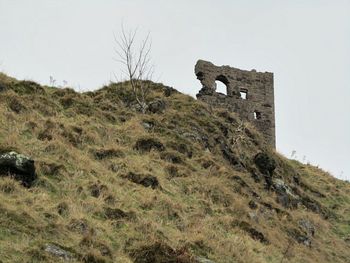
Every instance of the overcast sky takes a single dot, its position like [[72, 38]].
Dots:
[[305, 43]]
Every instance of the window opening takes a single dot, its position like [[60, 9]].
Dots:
[[243, 93], [221, 87], [257, 115]]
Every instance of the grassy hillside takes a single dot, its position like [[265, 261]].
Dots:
[[183, 183]]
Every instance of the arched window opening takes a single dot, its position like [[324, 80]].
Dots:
[[221, 87], [221, 84], [257, 115]]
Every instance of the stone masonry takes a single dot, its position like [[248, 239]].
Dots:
[[249, 93]]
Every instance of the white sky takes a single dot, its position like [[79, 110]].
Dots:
[[305, 43]]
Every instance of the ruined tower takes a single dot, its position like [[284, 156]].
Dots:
[[249, 93]]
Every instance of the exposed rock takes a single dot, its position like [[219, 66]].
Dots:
[[308, 187], [252, 136], [255, 176], [58, 252], [138, 106], [300, 237], [192, 136], [63, 208], [157, 106], [101, 154], [110, 199], [145, 180], [292, 197], [266, 166], [172, 170], [148, 144], [97, 188], [19, 166], [3, 87], [253, 216], [240, 181], [203, 260], [228, 116], [253, 233], [104, 250], [316, 207], [148, 125], [265, 163], [160, 252], [45, 135], [168, 91], [228, 154], [115, 167], [224, 129], [182, 148], [208, 163], [347, 239], [16, 106], [278, 211], [116, 213], [172, 157], [67, 101], [79, 226], [285, 195], [252, 204], [307, 226]]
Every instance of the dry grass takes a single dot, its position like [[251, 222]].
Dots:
[[84, 148]]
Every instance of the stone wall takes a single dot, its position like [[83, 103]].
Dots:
[[249, 93]]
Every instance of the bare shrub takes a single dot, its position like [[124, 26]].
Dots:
[[137, 64]]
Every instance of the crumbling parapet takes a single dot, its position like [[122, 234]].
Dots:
[[249, 93]]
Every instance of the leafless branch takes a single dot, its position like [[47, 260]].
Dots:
[[136, 63]]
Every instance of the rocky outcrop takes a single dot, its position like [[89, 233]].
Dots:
[[285, 195], [18, 166], [58, 252], [251, 231], [157, 106], [266, 165]]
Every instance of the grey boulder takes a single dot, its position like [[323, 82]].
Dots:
[[18, 166]]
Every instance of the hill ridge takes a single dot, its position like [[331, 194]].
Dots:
[[184, 182]]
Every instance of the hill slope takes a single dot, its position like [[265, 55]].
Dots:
[[182, 183]]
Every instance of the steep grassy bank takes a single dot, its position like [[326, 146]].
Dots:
[[182, 183]]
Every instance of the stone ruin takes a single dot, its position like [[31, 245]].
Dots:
[[249, 93]]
